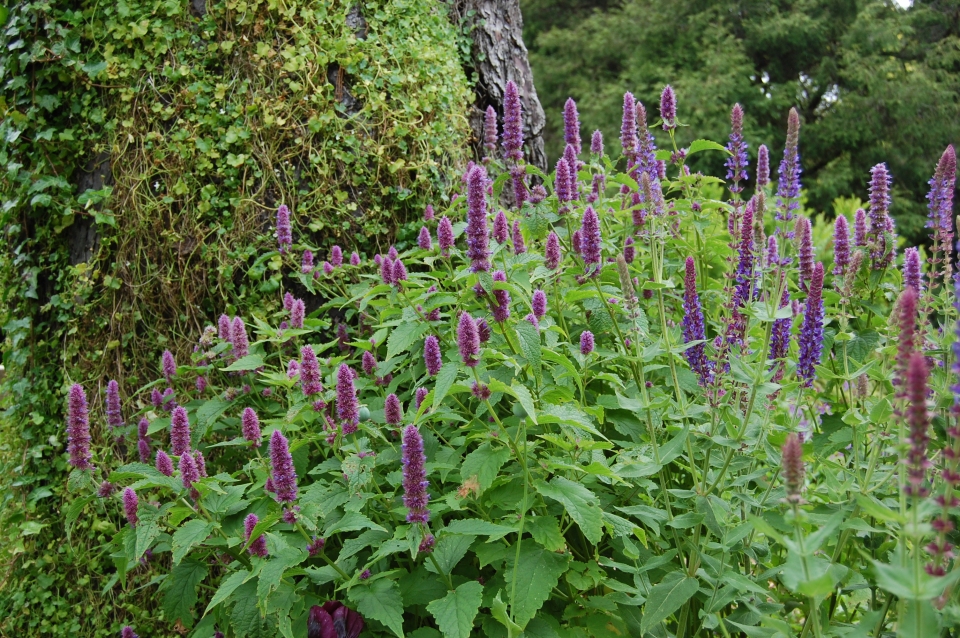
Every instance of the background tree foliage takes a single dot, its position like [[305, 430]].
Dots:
[[872, 82]]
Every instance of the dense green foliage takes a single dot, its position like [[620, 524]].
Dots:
[[202, 124], [872, 82]]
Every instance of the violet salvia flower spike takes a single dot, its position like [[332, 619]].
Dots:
[[297, 312], [348, 410], [336, 256], [628, 129], [281, 468], [500, 304], [745, 275], [250, 427], [841, 246], [918, 423], [519, 246], [415, 483], [788, 184], [468, 340], [445, 235], [500, 228], [368, 363], [169, 366], [164, 464], [586, 342], [668, 108], [551, 254], [130, 505], [189, 473], [424, 240], [113, 410], [512, 123], [792, 468], [590, 246], [780, 340], [225, 326], [284, 232], [309, 372], [259, 546], [490, 135], [596, 144], [78, 429], [693, 326], [941, 211], [763, 167], [241, 345], [860, 228], [571, 125], [538, 303], [478, 235], [811, 331], [306, 262], [737, 162], [912, 270], [179, 431], [804, 235], [392, 410], [431, 355]]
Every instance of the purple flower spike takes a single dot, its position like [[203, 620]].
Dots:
[[811, 331], [490, 135], [316, 546], [386, 271], [468, 340], [744, 277], [539, 303], [792, 464], [169, 366], [879, 198], [142, 428], [551, 254], [297, 313], [415, 482], [259, 546], [483, 330], [500, 228], [918, 422], [392, 253], [130, 505], [431, 355], [561, 183], [693, 326], [399, 272], [309, 372], [912, 270], [179, 431], [590, 248], [306, 262], [225, 326], [250, 427], [519, 247], [773, 251], [420, 395], [763, 167], [281, 468], [201, 384], [336, 256], [284, 233], [512, 123], [354, 259], [573, 164], [424, 241], [241, 345], [780, 339], [78, 429], [143, 449], [392, 410], [575, 241], [164, 464], [532, 318], [201, 462], [596, 144], [841, 246], [347, 408], [737, 162], [189, 473], [941, 208], [127, 632], [668, 108], [571, 125], [628, 128], [478, 235], [445, 235], [368, 362], [804, 234], [629, 252], [860, 228], [788, 185], [501, 308], [586, 342], [114, 413], [646, 160]]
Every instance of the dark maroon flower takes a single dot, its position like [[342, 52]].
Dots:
[[333, 620]]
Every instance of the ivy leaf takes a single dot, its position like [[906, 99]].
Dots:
[[181, 591], [581, 504], [404, 336], [484, 463], [533, 578], [148, 528], [193, 532], [381, 601], [455, 611], [227, 587], [445, 379], [530, 346], [666, 598]]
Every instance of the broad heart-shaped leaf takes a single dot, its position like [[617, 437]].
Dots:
[[403, 336], [530, 345], [148, 527], [274, 569], [455, 611], [381, 601], [193, 532], [445, 379], [227, 587], [448, 552], [533, 578], [249, 362], [484, 463], [581, 504], [666, 598], [181, 591]]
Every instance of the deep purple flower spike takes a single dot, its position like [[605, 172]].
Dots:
[[399, 272], [468, 340], [336, 256], [788, 185], [693, 326], [811, 331], [130, 505], [424, 241], [431, 355], [512, 123], [571, 125], [478, 234], [392, 410], [586, 342], [225, 325], [259, 546], [490, 135], [386, 270], [668, 108], [590, 247], [737, 162], [596, 144], [348, 410], [284, 232], [250, 427], [538, 303], [297, 312], [179, 431], [918, 423], [368, 363], [500, 303], [763, 167], [201, 463], [912, 270], [164, 464], [169, 366], [143, 450], [309, 372], [189, 473], [841, 246], [500, 227], [113, 410], [281, 468], [519, 246], [241, 345], [629, 251], [551, 254], [445, 235], [306, 262], [804, 234], [415, 483], [561, 183]]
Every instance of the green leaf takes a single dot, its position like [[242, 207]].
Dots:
[[381, 601], [193, 532], [249, 362], [530, 345], [227, 587], [445, 380], [697, 146], [448, 552], [93, 69], [484, 463], [274, 569], [181, 591], [523, 396], [351, 522], [404, 336], [455, 611], [533, 578], [546, 531], [73, 512], [477, 527], [666, 598], [148, 528], [581, 504]]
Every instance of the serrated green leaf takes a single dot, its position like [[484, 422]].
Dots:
[[477, 527], [697, 146], [535, 575], [73, 512], [351, 522], [523, 396], [404, 336], [381, 601], [484, 463], [455, 611], [181, 591], [530, 346], [581, 504], [192, 533], [227, 587], [273, 571], [546, 531], [244, 364], [148, 528], [666, 598], [448, 552], [445, 380]]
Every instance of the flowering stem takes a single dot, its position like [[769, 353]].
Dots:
[[326, 558]]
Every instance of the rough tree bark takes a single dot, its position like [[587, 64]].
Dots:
[[499, 55]]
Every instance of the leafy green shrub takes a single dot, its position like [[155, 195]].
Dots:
[[633, 409]]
